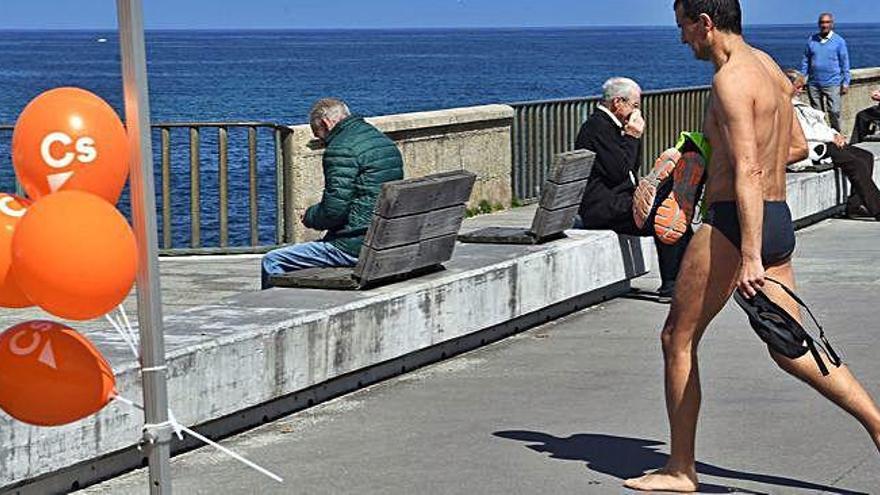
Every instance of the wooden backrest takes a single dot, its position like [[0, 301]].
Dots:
[[414, 225], [562, 193]]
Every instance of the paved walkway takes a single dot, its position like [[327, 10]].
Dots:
[[576, 405]]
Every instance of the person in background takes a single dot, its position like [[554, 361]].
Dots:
[[826, 64], [614, 132], [867, 120], [358, 159], [827, 144]]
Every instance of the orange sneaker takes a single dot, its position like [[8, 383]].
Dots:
[[646, 191], [677, 210]]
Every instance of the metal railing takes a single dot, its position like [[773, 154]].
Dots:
[[542, 129], [231, 200], [211, 201], [237, 197]]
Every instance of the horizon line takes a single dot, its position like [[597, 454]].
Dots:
[[409, 28]]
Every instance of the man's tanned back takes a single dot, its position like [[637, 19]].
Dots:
[[754, 80]]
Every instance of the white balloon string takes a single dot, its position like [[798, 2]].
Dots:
[[178, 428], [125, 336], [232, 454], [131, 332]]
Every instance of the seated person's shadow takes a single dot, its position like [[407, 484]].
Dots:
[[624, 458]]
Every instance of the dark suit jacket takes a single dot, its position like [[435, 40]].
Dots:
[[607, 201]]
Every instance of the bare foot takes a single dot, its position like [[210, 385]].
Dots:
[[663, 481]]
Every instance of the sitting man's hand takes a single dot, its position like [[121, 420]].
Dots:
[[635, 126], [844, 89], [840, 140], [876, 95]]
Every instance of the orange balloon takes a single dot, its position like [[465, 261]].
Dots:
[[74, 255], [12, 208], [51, 375], [70, 139]]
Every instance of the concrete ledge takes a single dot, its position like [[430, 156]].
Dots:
[[442, 118], [259, 347]]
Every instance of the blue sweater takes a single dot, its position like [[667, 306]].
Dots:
[[826, 64]]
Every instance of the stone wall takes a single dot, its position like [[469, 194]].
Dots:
[[474, 138]]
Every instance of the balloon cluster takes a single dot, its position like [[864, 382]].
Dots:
[[64, 248]]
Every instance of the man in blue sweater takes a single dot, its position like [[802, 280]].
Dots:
[[826, 64]]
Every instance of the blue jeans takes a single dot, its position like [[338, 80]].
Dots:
[[827, 100], [318, 254]]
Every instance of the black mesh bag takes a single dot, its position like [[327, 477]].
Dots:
[[781, 332]]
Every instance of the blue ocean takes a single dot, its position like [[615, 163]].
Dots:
[[274, 76]]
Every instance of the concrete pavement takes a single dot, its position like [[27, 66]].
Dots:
[[576, 405]]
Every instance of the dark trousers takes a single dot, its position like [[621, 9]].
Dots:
[[864, 120], [669, 257], [858, 166]]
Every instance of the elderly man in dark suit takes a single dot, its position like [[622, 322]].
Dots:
[[614, 132]]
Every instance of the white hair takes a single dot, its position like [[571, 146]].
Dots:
[[329, 108], [619, 87]]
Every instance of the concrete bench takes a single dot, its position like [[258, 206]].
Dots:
[[412, 233], [559, 203]]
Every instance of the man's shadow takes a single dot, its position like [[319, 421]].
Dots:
[[624, 458]]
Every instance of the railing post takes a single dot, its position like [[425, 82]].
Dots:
[[223, 184], [167, 234], [195, 201], [287, 181]]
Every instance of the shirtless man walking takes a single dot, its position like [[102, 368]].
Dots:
[[747, 232]]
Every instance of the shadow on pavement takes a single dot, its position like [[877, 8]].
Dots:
[[625, 458]]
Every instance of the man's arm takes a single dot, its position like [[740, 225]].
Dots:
[[799, 149], [340, 170], [615, 155], [805, 62], [736, 106], [844, 65]]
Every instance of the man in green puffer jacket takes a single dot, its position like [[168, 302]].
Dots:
[[358, 159]]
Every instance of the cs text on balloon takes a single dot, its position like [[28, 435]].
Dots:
[[51, 375], [70, 139]]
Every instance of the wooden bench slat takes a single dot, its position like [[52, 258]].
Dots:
[[386, 233], [413, 196], [550, 223], [318, 278], [558, 196], [376, 265], [572, 166], [499, 235]]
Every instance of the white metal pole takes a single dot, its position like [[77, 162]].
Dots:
[[157, 430]]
